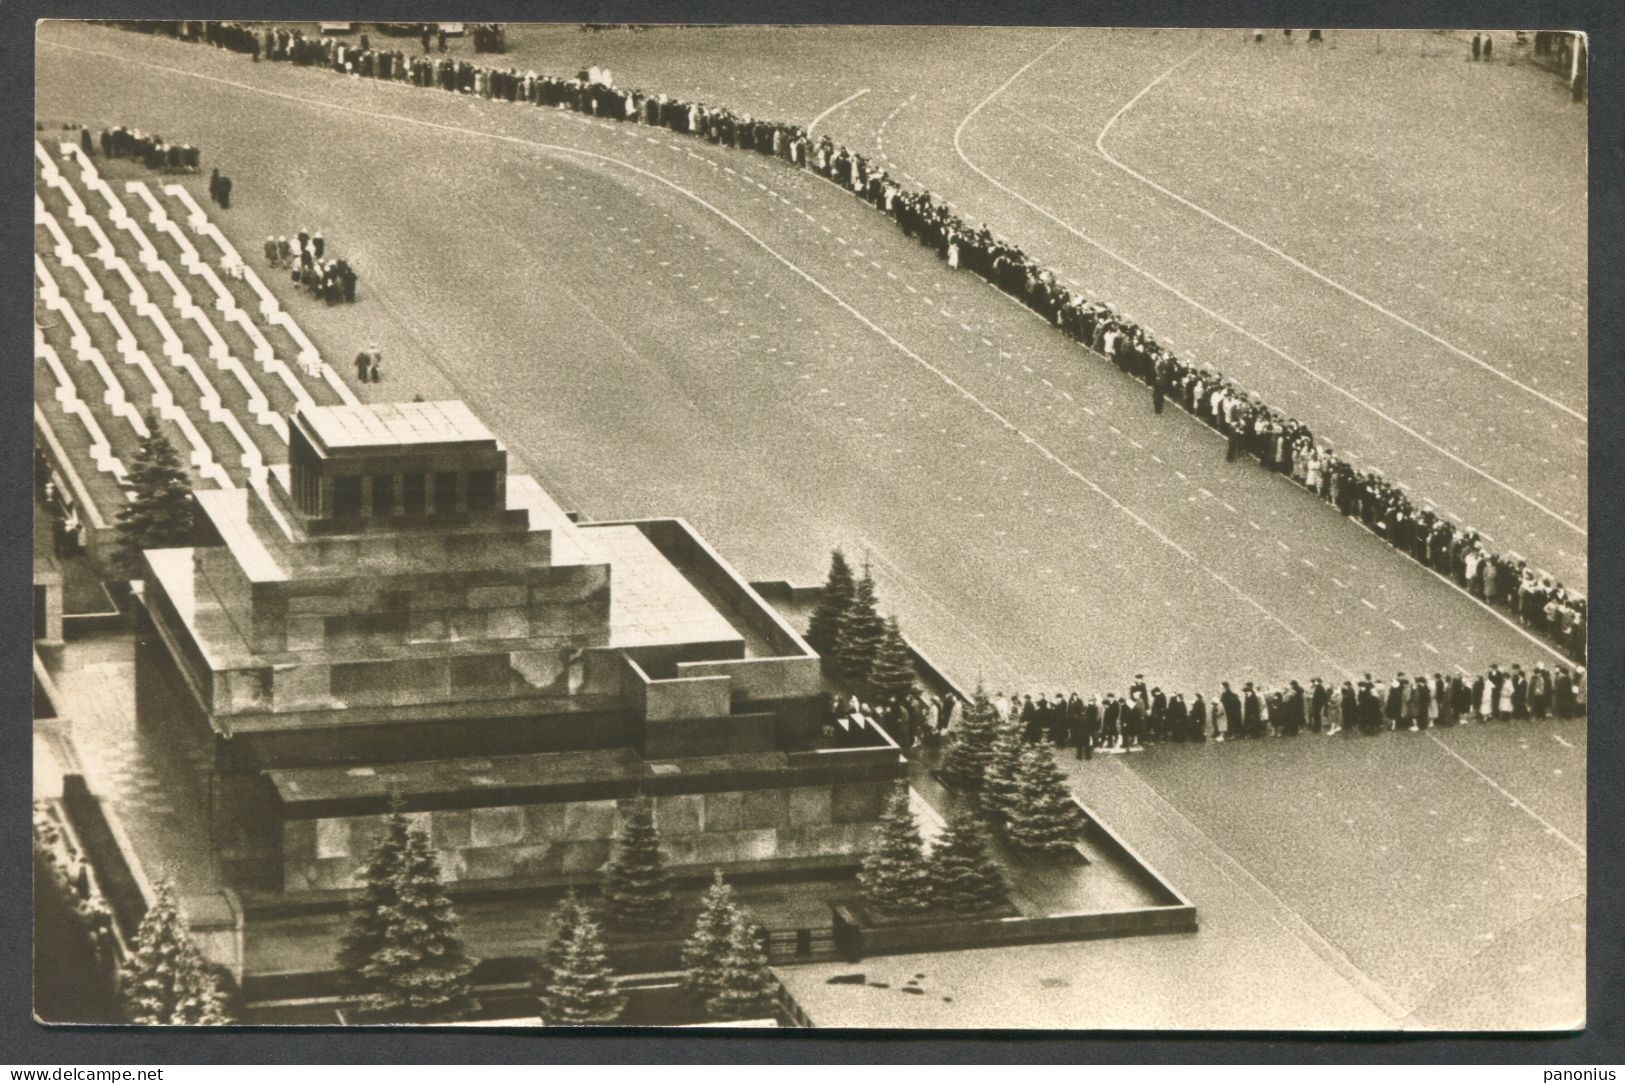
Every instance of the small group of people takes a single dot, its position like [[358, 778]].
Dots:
[[150, 150], [489, 37], [369, 365], [1483, 46], [908, 720], [1144, 716], [1252, 428], [220, 189], [305, 258]]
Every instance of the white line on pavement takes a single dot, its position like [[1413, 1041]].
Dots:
[[1220, 317], [1100, 147]]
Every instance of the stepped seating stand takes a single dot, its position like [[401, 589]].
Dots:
[[241, 453], [325, 383], [104, 331]]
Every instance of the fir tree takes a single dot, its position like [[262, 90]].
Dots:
[[703, 950], [1000, 779], [371, 914], [166, 980], [963, 877], [891, 673], [745, 987], [858, 633], [579, 987], [635, 888], [420, 972], [836, 597], [159, 512], [571, 912], [893, 875], [1042, 817], [970, 743]]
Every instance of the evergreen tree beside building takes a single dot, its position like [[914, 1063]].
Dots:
[[1042, 816], [166, 981], [891, 673], [1000, 780], [159, 512], [970, 743], [832, 603], [637, 893], [858, 633], [963, 876], [893, 876], [420, 973], [704, 949], [373, 911], [745, 987], [578, 986]]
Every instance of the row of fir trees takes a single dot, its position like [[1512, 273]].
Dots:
[[404, 954], [859, 645], [957, 877], [1013, 782]]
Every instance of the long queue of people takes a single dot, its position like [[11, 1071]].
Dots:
[[1144, 716], [1251, 427]]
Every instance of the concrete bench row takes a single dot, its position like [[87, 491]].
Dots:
[[200, 456]]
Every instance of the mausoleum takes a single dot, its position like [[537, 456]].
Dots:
[[392, 615]]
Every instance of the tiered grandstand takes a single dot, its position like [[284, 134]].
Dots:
[[143, 306]]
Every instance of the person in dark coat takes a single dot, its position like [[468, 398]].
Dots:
[[1029, 717], [1563, 698], [1110, 715], [1393, 708], [1198, 718], [1478, 45], [214, 185], [1319, 700], [1540, 692], [85, 144], [225, 193], [426, 42], [1293, 707], [1088, 731], [1369, 708], [1157, 717], [1252, 712], [1489, 46], [1520, 693], [1348, 701], [1178, 719], [1230, 703]]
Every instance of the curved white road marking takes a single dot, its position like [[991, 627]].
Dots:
[[944, 377], [825, 114], [1219, 317], [1100, 148]]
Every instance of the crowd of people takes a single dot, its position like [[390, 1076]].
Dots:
[[1142, 716], [307, 260], [1251, 427], [150, 150]]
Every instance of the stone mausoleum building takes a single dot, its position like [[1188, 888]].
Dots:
[[391, 613]]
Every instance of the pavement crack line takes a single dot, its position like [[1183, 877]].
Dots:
[[958, 142], [1100, 148]]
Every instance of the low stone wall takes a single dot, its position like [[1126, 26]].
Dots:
[[858, 939], [782, 824]]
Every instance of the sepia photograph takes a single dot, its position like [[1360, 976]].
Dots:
[[929, 528]]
